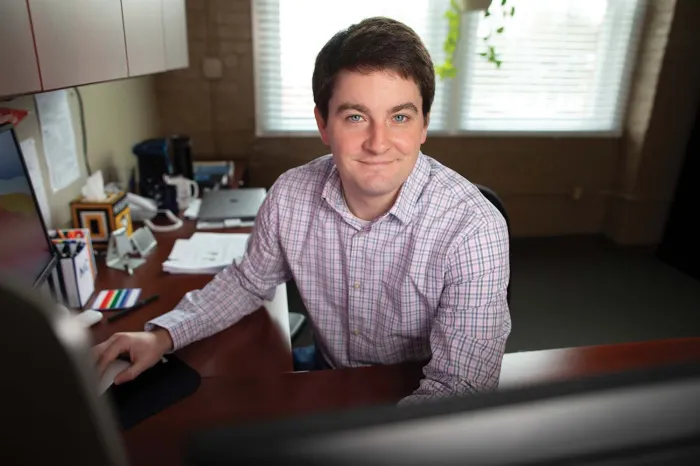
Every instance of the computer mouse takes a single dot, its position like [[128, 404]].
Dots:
[[114, 368]]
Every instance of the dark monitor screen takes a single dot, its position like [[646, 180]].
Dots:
[[641, 417], [25, 249]]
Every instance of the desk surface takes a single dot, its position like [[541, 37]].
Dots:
[[229, 352], [246, 369], [230, 400]]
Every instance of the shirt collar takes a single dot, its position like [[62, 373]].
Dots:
[[405, 204]]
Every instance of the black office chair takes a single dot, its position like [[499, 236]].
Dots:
[[297, 311], [491, 195]]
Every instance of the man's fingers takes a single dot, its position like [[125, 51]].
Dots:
[[118, 346], [131, 372], [97, 350]]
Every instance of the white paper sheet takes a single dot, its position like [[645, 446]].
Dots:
[[59, 138], [31, 158], [206, 253]]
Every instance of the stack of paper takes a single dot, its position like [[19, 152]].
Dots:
[[206, 253]]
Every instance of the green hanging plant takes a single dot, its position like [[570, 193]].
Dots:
[[447, 69]]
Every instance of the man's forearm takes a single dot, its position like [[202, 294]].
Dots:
[[202, 313], [434, 390]]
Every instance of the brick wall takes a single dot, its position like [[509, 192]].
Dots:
[[535, 176]]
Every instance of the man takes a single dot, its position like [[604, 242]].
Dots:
[[397, 258]]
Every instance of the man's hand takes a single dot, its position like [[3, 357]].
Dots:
[[144, 349]]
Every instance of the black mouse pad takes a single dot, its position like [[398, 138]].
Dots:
[[155, 389]]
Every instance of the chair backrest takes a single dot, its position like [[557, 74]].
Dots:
[[491, 195]]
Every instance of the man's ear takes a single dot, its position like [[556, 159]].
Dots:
[[424, 134], [321, 126]]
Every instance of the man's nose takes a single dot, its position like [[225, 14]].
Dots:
[[377, 141]]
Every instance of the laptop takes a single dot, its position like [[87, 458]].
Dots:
[[225, 204]]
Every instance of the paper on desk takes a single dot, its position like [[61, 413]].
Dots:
[[31, 158], [180, 250], [59, 138], [206, 253]]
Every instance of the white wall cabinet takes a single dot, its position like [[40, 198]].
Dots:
[[79, 41], [63, 43], [145, 44], [175, 33], [19, 70]]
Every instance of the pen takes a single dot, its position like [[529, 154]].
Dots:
[[138, 305]]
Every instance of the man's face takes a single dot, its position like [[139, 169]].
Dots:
[[375, 129]]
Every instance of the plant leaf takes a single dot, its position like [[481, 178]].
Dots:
[[503, 2], [487, 14], [499, 30], [512, 11]]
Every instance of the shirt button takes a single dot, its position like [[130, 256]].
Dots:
[[356, 332], [357, 285]]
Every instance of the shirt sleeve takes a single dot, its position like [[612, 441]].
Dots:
[[238, 290], [469, 333]]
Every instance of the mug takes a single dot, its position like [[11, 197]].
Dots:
[[187, 189]]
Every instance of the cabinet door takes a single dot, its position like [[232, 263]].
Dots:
[[143, 25], [19, 72], [175, 28], [79, 41]]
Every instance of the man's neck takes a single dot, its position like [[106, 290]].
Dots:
[[369, 208]]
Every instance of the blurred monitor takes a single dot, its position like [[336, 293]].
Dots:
[[26, 251], [632, 418], [51, 408]]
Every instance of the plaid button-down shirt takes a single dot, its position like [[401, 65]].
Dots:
[[424, 282]]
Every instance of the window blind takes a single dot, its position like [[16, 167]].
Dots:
[[566, 64]]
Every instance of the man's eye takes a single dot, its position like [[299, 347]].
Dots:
[[400, 118], [354, 118]]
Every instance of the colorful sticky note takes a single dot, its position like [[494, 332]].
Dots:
[[113, 299]]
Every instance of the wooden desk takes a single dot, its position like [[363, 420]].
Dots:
[[253, 346], [230, 400], [246, 369]]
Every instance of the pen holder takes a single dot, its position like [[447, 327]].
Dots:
[[75, 235], [77, 282]]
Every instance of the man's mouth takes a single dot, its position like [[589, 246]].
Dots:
[[377, 163]]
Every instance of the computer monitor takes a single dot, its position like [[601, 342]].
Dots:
[[26, 251], [632, 418]]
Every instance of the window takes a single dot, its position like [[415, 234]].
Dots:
[[566, 64]]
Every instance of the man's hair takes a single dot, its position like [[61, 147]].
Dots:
[[374, 44]]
